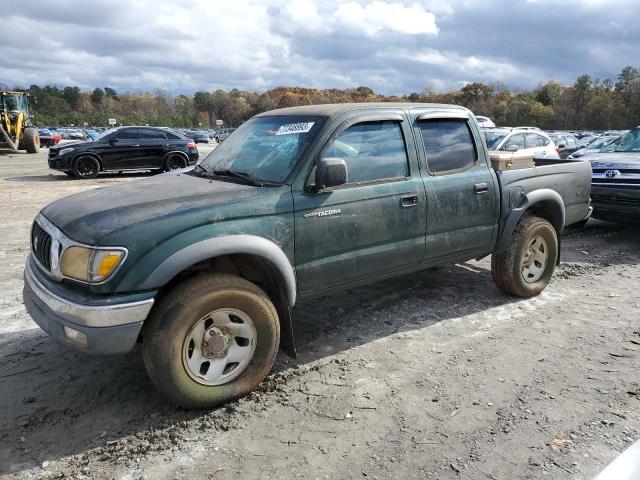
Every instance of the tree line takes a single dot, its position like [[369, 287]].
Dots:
[[589, 103]]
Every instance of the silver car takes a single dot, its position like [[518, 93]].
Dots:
[[524, 140]]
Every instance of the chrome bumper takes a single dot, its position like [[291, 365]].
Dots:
[[109, 328]]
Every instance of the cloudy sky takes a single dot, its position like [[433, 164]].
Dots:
[[392, 46]]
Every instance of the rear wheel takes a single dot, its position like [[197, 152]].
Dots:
[[211, 339], [86, 166], [526, 268], [175, 161], [31, 140]]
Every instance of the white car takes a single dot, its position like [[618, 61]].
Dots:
[[524, 140], [485, 122]]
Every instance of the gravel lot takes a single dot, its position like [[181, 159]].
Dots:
[[434, 375]]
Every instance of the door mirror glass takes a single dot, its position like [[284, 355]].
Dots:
[[331, 172], [561, 145], [512, 148]]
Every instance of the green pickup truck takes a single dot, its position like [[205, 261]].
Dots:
[[204, 266]]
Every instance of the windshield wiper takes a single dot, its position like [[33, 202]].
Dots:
[[200, 168], [240, 175]]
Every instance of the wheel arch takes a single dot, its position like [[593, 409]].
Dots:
[[544, 203], [171, 152], [256, 259]]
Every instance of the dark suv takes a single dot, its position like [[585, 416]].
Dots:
[[125, 148]]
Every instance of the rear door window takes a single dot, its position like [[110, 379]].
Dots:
[[448, 145], [128, 134], [532, 140], [151, 134]]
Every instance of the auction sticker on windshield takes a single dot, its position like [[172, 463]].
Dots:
[[295, 128]]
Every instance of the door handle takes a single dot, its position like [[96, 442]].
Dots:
[[480, 188], [135, 145], [409, 201]]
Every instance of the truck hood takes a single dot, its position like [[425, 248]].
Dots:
[[614, 160], [158, 206]]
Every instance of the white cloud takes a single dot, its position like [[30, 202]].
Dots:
[[378, 16]]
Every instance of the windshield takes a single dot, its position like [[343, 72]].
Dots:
[[599, 142], [494, 138], [629, 142], [266, 148]]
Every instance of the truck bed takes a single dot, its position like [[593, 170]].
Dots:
[[568, 178]]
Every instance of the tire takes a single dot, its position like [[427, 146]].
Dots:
[[70, 173], [31, 140], [86, 166], [534, 242], [175, 161], [179, 313]]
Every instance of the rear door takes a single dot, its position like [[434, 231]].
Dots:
[[462, 195], [122, 148], [374, 224], [153, 145]]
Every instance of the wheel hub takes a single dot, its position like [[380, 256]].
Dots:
[[215, 342]]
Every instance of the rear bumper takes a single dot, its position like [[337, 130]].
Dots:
[[100, 329]]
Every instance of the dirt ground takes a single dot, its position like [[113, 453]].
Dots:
[[435, 375]]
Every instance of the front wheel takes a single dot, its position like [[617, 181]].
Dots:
[[526, 268], [31, 140], [86, 166], [211, 339]]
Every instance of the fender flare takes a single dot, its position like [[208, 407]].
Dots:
[[226, 245], [554, 206]]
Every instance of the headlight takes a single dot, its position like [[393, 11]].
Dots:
[[64, 151], [90, 265]]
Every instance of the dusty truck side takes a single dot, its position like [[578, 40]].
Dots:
[[205, 266]]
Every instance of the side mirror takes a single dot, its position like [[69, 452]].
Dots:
[[513, 148], [562, 145], [331, 172]]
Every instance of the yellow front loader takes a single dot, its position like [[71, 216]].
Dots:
[[16, 129]]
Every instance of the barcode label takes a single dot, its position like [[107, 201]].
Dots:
[[295, 128]]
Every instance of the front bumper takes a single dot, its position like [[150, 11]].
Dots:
[[59, 162], [619, 203], [91, 327]]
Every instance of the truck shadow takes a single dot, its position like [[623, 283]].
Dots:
[[56, 403]]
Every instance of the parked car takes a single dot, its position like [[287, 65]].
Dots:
[[485, 122], [222, 135], [298, 202], [594, 146], [122, 149], [200, 136], [524, 140], [48, 138], [566, 143], [615, 191], [73, 134]]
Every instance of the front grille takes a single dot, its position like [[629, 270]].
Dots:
[[41, 245], [621, 170], [611, 200], [618, 179]]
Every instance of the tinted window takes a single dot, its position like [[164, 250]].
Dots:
[[517, 139], [172, 136], [543, 141], [448, 144], [571, 142], [127, 134], [372, 151], [150, 133]]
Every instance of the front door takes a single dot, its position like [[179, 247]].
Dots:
[[121, 149], [372, 225], [461, 190]]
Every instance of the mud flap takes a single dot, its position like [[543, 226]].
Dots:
[[286, 327]]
